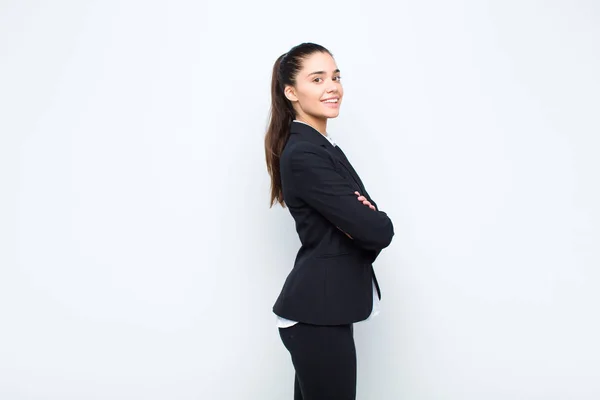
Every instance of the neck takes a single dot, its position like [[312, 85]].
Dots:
[[317, 123]]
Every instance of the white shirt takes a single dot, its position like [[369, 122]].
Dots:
[[286, 323]]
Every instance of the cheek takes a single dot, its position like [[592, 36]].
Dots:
[[315, 95], [311, 98]]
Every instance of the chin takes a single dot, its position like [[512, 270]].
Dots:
[[332, 114]]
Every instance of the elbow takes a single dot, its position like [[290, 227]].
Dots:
[[384, 235], [379, 236]]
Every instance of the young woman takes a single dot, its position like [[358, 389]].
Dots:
[[332, 284]]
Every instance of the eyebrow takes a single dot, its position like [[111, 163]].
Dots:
[[322, 72]]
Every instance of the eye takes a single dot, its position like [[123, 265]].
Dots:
[[338, 78], [317, 79]]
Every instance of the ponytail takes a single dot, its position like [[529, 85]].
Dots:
[[278, 132], [282, 112]]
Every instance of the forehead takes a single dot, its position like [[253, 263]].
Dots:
[[318, 62]]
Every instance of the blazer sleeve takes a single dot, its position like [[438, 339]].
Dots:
[[373, 254], [322, 187]]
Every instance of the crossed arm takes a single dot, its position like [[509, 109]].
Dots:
[[365, 202], [326, 190]]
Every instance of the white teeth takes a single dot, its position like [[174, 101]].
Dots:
[[331, 101]]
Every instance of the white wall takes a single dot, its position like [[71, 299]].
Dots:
[[139, 259]]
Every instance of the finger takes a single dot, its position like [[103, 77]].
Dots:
[[361, 198]]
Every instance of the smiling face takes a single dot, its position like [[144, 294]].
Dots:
[[317, 93]]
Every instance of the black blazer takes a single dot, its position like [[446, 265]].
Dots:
[[331, 281]]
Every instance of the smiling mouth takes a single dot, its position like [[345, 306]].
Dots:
[[331, 101]]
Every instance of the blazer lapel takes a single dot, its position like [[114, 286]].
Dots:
[[346, 164], [312, 135]]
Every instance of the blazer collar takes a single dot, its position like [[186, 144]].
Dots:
[[310, 134]]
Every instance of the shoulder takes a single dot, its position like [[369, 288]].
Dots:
[[302, 151], [307, 159]]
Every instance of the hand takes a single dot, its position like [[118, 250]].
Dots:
[[364, 200]]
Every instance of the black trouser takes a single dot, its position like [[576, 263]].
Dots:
[[324, 358]]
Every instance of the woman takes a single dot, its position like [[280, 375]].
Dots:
[[332, 284]]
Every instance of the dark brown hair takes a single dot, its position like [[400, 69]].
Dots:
[[282, 113]]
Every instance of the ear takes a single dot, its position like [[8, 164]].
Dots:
[[290, 93]]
